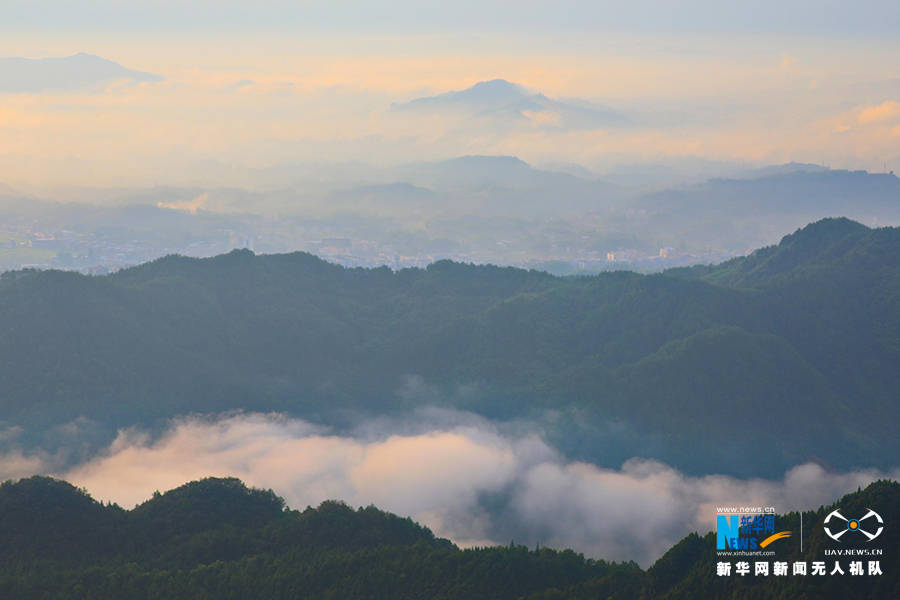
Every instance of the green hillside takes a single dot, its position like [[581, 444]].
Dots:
[[797, 343]]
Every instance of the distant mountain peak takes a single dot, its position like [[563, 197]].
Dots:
[[482, 94], [497, 86], [500, 99], [497, 83], [76, 72]]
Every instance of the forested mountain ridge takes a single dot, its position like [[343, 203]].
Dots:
[[801, 335], [216, 538], [834, 245]]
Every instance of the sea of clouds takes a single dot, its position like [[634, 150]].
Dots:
[[462, 476]]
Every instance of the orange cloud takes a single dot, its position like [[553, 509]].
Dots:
[[886, 110], [191, 206]]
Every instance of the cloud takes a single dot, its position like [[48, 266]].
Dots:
[[463, 477], [543, 117], [15, 464], [884, 111], [641, 510], [237, 85]]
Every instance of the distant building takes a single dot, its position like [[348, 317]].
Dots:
[[337, 244]]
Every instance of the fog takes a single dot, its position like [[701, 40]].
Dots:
[[473, 482]]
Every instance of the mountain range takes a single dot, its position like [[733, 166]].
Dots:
[[486, 209], [801, 336]]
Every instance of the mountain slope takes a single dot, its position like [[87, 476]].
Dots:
[[831, 244], [832, 280]]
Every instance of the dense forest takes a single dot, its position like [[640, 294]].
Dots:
[[743, 367], [216, 538]]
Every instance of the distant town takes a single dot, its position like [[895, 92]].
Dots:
[[28, 246]]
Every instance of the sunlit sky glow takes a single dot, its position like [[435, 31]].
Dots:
[[276, 83]]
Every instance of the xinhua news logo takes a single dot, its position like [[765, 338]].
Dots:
[[747, 531]]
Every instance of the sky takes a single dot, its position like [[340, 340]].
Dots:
[[791, 16], [261, 84]]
